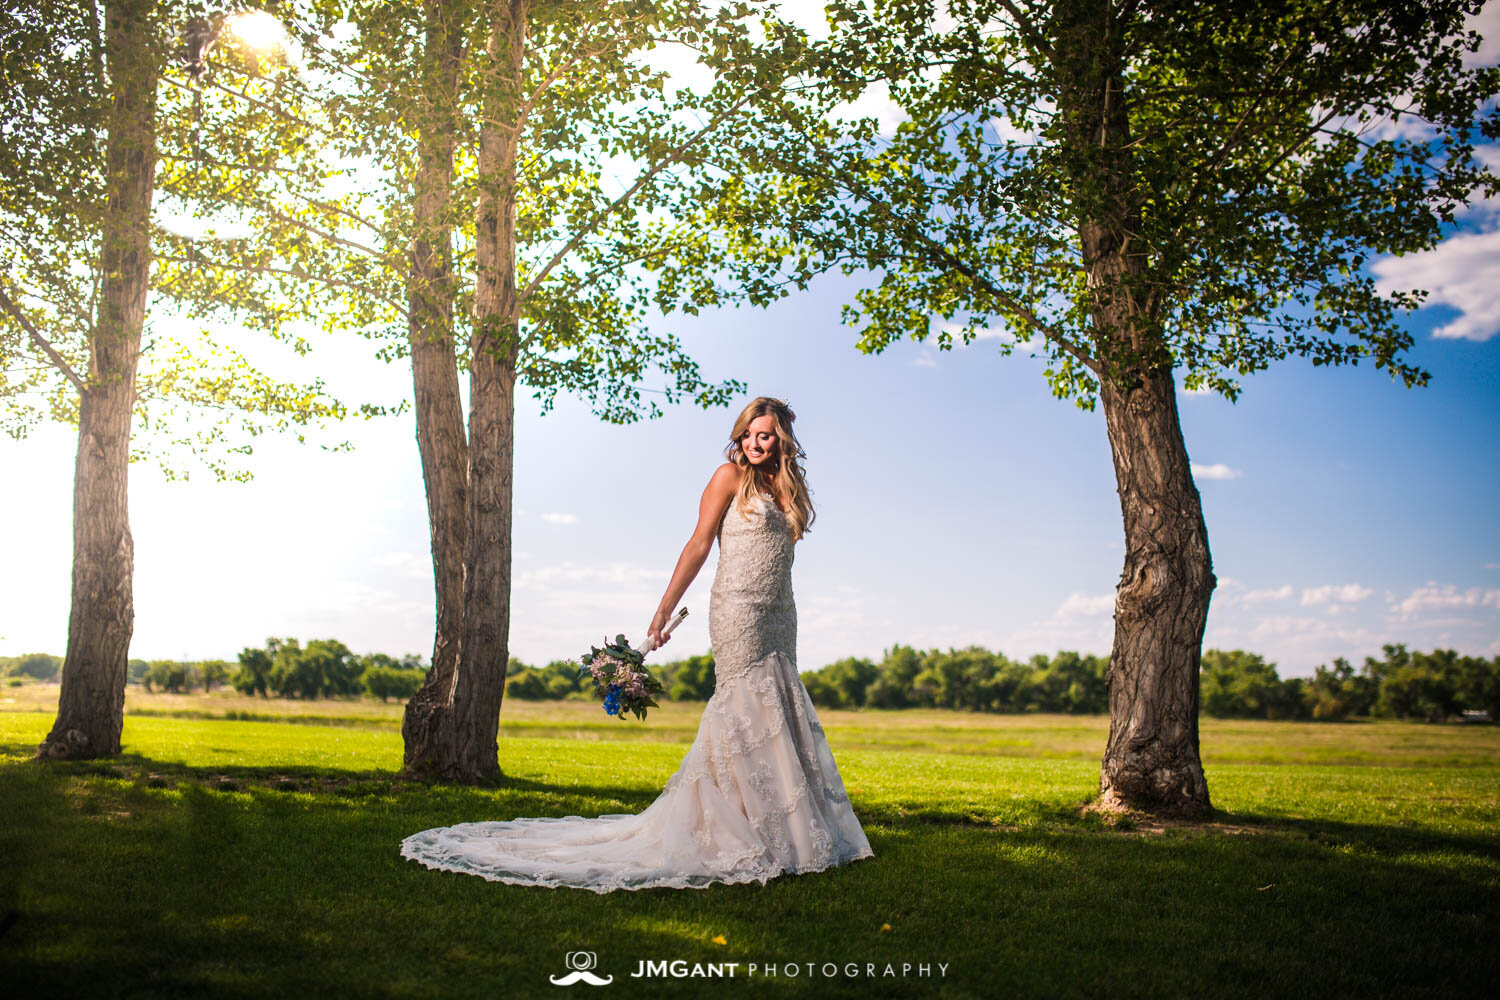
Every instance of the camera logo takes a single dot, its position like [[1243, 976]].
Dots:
[[581, 962]]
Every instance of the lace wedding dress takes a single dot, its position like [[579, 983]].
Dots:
[[758, 795]]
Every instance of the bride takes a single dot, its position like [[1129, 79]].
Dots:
[[758, 795]]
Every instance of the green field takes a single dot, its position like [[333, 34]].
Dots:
[[246, 848]]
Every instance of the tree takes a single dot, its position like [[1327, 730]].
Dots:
[[1127, 187], [212, 673], [690, 679], [852, 676], [495, 122], [1338, 692], [254, 673], [92, 700], [37, 666], [1479, 685], [93, 107], [1070, 682], [1240, 684], [898, 669], [169, 676], [822, 691]]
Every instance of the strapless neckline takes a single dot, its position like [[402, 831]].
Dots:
[[772, 503]]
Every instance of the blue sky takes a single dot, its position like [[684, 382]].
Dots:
[[958, 501]]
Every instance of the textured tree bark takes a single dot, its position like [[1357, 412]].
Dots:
[[427, 723], [1151, 761], [1161, 607], [471, 753], [91, 704]]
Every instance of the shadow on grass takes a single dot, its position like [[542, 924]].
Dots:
[[123, 888], [141, 770], [1042, 814]]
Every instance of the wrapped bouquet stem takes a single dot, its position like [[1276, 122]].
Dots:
[[648, 644], [620, 676]]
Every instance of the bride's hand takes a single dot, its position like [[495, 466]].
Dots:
[[653, 631]]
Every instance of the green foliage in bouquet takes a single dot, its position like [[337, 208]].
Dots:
[[620, 678]]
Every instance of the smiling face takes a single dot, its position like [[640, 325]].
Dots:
[[759, 442]]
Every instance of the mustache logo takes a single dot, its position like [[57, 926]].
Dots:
[[581, 962]]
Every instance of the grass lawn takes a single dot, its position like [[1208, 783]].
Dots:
[[227, 854]]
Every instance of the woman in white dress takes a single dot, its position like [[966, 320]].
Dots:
[[758, 795]]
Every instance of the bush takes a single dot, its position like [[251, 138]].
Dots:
[[169, 676], [35, 666], [690, 679], [528, 685], [822, 691], [391, 682], [1243, 685]]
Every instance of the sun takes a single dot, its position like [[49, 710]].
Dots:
[[257, 30]]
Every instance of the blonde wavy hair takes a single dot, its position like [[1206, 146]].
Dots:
[[788, 480]]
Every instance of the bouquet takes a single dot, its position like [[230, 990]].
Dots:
[[620, 677]]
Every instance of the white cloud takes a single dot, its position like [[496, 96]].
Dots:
[[1280, 593], [1080, 605], [1034, 345], [405, 564], [1447, 596], [1487, 23], [875, 102], [1216, 471], [809, 15], [1006, 130], [1347, 594], [552, 517], [1302, 626], [682, 66], [1461, 272]]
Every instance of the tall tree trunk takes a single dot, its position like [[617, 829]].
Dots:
[[91, 705], [1161, 604], [427, 724], [1161, 607], [472, 753]]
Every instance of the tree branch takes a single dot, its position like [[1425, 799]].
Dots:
[[292, 272], [1029, 31], [66, 300], [937, 253], [585, 230], [257, 102], [57, 359]]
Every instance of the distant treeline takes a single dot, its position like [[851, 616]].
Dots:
[[325, 668], [153, 675], [1433, 686], [691, 679], [282, 668]]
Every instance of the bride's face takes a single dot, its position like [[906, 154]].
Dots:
[[759, 442]]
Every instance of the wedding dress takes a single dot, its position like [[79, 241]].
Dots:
[[758, 795]]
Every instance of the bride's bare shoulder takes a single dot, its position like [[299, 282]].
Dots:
[[716, 497], [723, 483]]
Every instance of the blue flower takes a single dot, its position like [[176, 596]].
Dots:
[[612, 701]]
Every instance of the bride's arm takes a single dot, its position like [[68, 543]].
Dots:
[[710, 512]]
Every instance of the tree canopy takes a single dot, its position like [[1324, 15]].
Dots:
[[1269, 153]]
